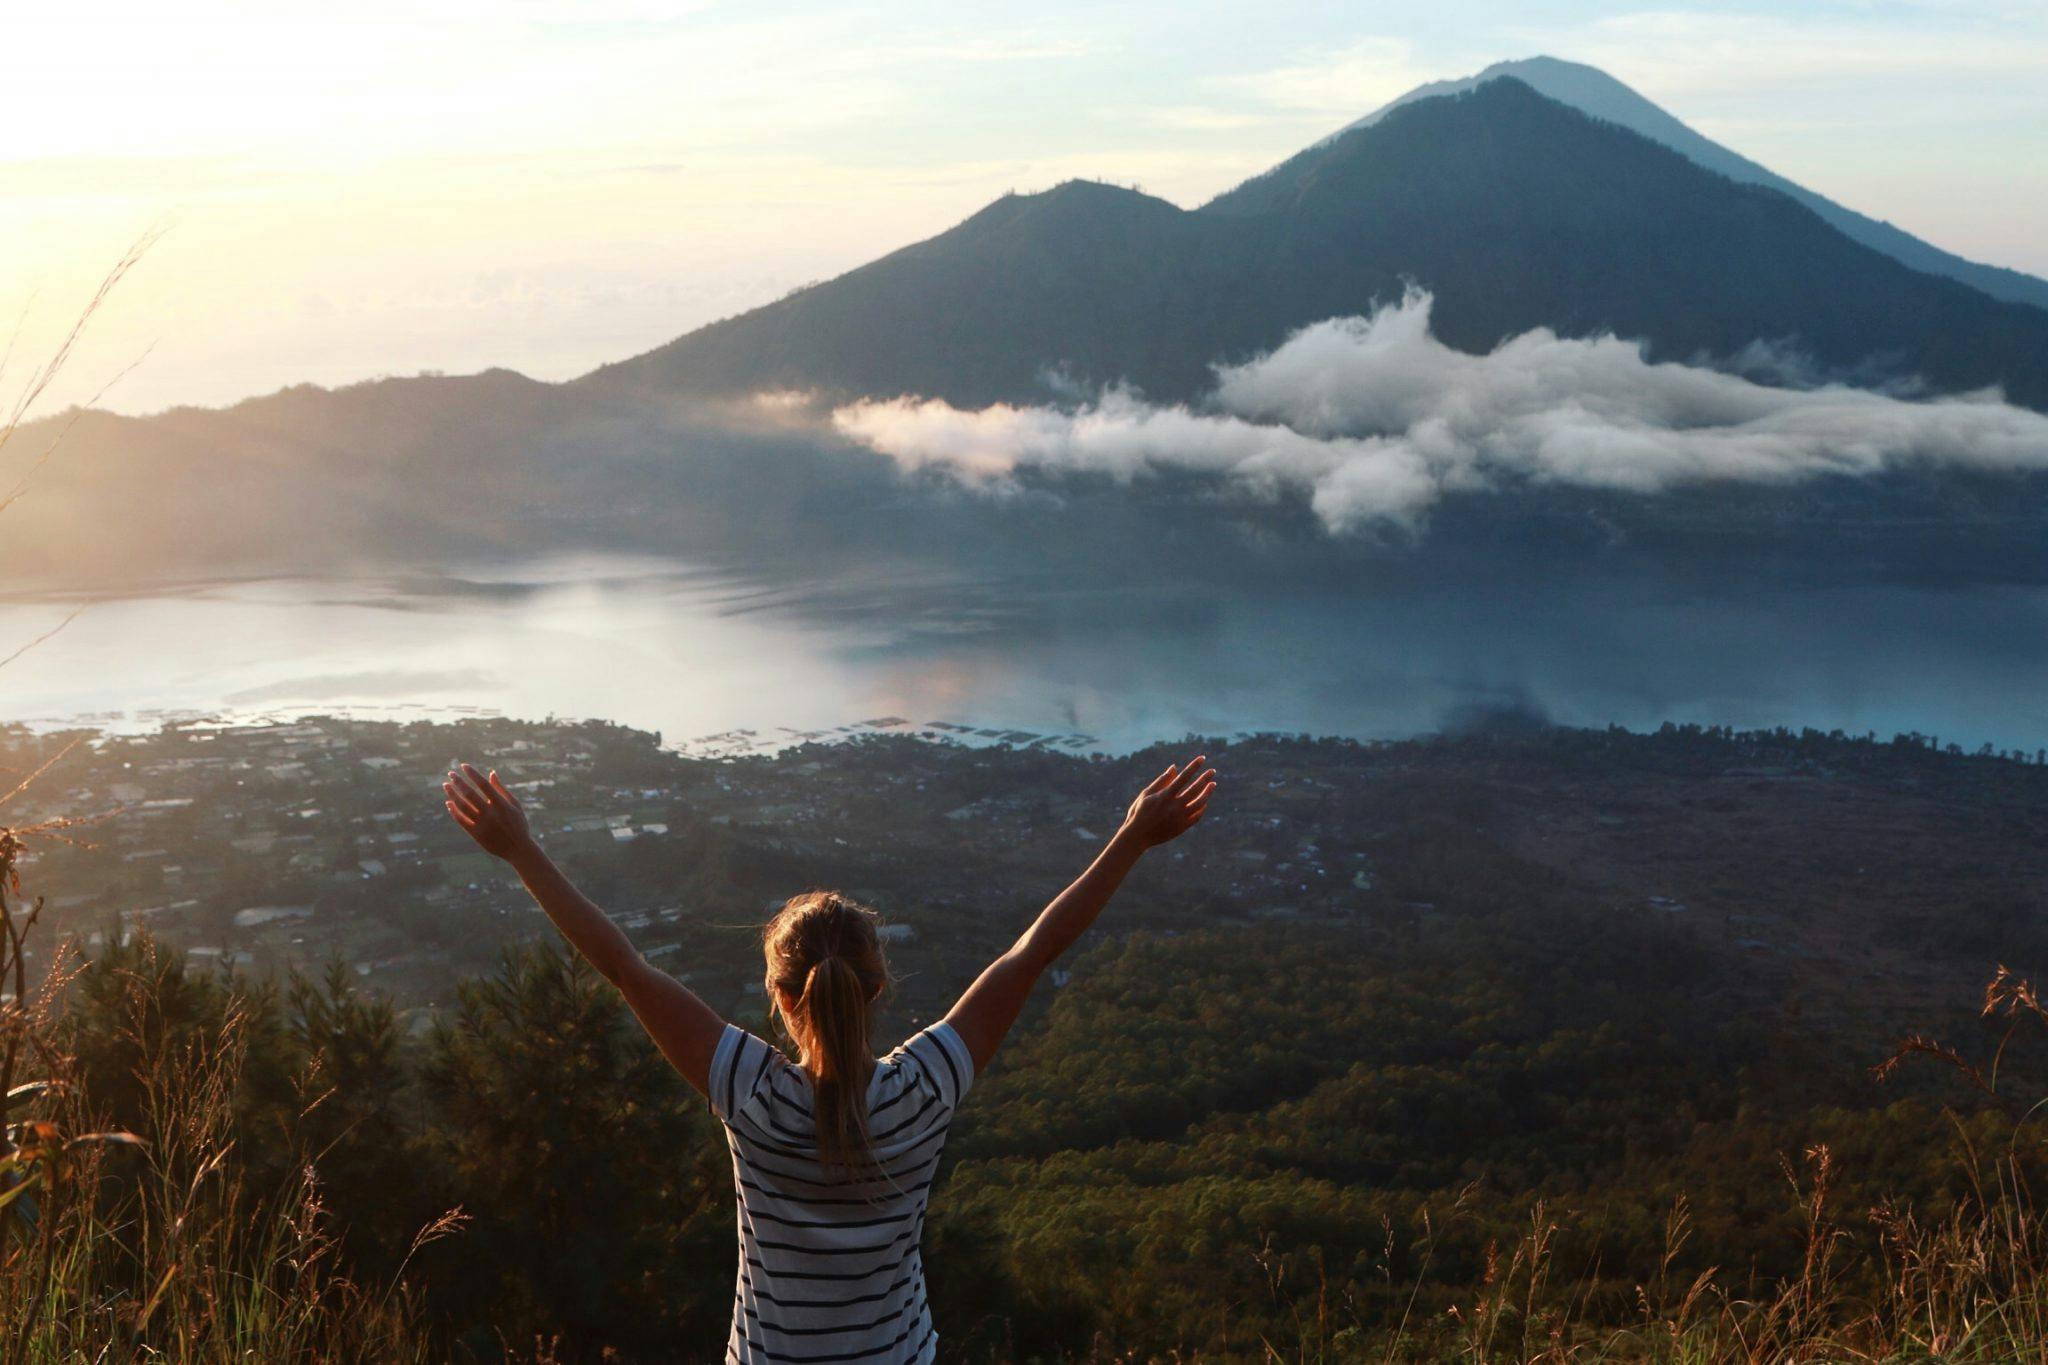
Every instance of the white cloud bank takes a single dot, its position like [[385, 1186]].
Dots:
[[1375, 419]]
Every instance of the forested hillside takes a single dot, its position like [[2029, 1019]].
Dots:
[[1314, 1086]]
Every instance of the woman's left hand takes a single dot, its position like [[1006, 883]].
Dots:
[[489, 812]]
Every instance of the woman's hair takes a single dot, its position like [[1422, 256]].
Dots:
[[825, 959]]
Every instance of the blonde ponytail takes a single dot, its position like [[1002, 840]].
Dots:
[[825, 959], [836, 1008]]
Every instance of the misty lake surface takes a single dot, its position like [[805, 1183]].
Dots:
[[700, 654]]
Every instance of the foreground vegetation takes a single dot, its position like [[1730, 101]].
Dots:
[[1490, 1115]]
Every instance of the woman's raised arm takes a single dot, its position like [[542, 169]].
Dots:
[[1165, 810], [681, 1025]]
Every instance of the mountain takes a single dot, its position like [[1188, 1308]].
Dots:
[[1107, 281], [1515, 210], [1592, 91]]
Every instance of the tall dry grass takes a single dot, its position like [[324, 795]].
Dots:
[[155, 1245]]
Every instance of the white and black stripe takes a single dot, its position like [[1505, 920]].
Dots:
[[829, 1268]]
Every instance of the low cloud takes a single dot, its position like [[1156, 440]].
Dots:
[[1375, 420]]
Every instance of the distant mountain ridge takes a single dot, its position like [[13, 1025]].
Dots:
[[1515, 210], [1592, 91]]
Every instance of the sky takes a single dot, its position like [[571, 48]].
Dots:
[[345, 192]]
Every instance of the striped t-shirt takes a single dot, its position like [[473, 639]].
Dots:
[[829, 1269]]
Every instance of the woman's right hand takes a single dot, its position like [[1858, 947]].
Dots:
[[1171, 805]]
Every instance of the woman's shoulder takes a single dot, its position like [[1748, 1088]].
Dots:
[[743, 1064], [937, 1055], [919, 1043], [744, 1045]]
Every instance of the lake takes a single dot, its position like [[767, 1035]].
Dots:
[[698, 653]]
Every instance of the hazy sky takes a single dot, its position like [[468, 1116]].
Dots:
[[447, 185]]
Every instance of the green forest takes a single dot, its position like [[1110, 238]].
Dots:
[[1495, 1111]]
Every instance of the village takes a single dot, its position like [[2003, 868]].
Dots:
[[319, 844], [262, 848]]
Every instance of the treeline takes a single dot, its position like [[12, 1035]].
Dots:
[[590, 1182], [1234, 1139], [1323, 1138]]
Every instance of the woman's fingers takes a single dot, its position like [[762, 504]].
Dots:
[[1159, 783], [463, 787], [463, 795], [505, 792], [477, 782], [466, 821]]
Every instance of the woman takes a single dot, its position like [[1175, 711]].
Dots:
[[833, 1154]]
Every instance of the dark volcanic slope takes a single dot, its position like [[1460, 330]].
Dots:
[[1515, 210], [1102, 281], [1592, 91]]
